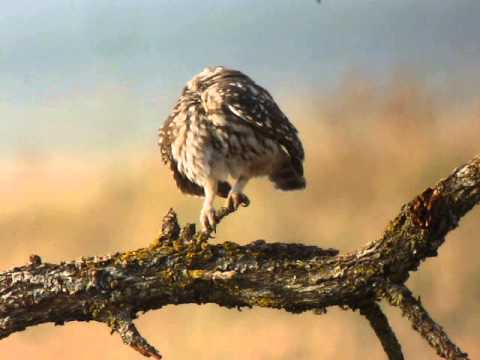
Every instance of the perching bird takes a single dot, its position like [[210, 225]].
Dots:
[[225, 125]]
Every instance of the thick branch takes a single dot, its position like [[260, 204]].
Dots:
[[420, 228], [379, 322], [181, 267], [399, 295]]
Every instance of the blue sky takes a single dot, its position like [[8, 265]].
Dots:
[[56, 51]]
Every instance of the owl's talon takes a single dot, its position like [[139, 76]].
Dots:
[[208, 219], [235, 200], [245, 201]]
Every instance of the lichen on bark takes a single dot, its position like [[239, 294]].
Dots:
[[181, 267]]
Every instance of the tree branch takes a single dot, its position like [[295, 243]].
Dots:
[[379, 322], [181, 267], [400, 295], [120, 321]]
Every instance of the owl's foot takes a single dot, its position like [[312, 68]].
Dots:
[[236, 199], [208, 219]]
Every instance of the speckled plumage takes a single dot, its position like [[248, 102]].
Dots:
[[225, 125]]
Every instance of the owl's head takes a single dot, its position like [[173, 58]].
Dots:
[[209, 76]]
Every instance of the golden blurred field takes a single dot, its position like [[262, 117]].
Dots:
[[369, 150]]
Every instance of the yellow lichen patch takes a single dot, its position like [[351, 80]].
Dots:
[[138, 256], [265, 301], [178, 245], [161, 248], [196, 274], [97, 309], [167, 275], [230, 246]]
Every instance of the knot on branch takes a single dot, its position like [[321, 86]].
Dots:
[[35, 260], [425, 208], [170, 227]]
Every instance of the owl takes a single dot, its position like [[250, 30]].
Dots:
[[223, 131]]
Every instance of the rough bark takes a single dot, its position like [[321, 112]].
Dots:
[[181, 267]]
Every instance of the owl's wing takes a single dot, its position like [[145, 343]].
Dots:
[[166, 136], [188, 187], [242, 100]]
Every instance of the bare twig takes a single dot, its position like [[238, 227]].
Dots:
[[120, 321], [400, 295], [379, 322]]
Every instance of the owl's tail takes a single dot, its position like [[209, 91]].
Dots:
[[289, 175]]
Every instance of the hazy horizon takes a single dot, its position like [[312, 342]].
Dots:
[[70, 69]]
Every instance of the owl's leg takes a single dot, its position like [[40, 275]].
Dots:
[[236, 197], [207, 215]]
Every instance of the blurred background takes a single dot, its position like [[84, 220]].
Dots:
[[385, 95]]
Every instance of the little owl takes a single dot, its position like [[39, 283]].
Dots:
[[225, 126]]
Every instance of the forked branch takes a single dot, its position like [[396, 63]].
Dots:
[[181, 267]]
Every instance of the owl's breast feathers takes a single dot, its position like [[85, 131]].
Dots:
[[223, 115]]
